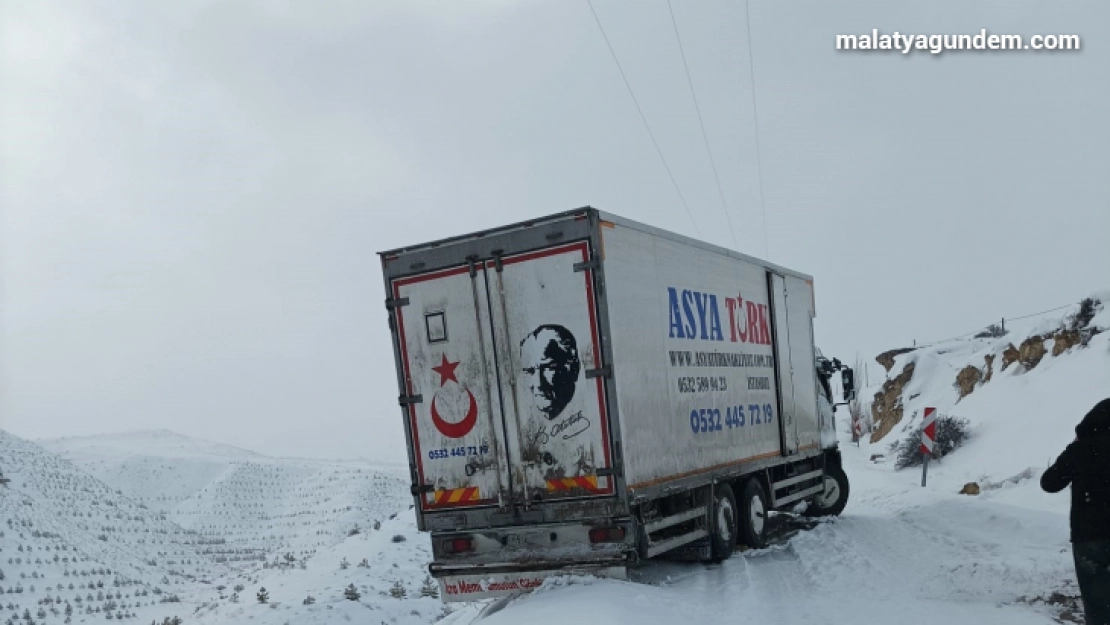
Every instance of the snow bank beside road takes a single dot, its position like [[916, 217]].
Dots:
[[899, 554]]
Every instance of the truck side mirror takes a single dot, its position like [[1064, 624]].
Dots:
[[848, 383]]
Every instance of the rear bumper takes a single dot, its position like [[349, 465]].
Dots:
[[509, 560], [470, 584], [446, 569]]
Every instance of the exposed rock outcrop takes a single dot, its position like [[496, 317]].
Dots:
[[1065, 340], [886, 359], [1031, 351], [967, 379], [886, 409]]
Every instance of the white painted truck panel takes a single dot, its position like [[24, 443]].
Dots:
[[448, 361], [800, 312], [785, 364], [546, 323], [495, 363], [693, 359]]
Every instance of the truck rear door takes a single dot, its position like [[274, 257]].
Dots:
[[452, 401], [544, 313], [784, 365], [793, 310], [499, 360]]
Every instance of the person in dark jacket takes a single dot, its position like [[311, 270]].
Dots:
[[1085, 465]]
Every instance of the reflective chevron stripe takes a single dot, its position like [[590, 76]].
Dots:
[[585, 482], [456, 495]]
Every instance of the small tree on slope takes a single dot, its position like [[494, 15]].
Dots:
[[263, 596], [351, 593], [952, 432]]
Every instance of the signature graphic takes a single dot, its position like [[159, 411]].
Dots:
[[568, 428]]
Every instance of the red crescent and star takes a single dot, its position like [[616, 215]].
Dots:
[[446, 371]]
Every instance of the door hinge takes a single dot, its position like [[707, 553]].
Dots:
[[604, 372], [405, 400], [393, 303], [591, 264], [420, 489]]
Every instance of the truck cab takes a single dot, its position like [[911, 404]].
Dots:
[[826, 401]]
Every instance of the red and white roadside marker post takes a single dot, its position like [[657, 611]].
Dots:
[[857, 430], [928, 439]]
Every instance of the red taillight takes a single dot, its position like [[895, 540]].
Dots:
[[458, 545], [606, 534]]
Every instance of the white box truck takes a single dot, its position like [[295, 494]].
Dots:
[[582, 391]]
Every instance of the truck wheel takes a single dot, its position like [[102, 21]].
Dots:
[[723, 534], [753, 514], [832, 501]]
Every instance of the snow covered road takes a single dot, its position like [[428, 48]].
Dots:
[[900, 554]]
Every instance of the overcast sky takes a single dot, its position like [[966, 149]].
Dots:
[[193, 192]]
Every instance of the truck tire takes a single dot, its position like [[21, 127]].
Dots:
[[753, 514], [832, 501], [723, 527]]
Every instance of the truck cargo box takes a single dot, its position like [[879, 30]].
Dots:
[[570, 368], [697, 382]]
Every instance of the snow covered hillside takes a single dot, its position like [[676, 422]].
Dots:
[[252, 506], [151, 443], [328, 541], [1022, 393], [376, 576], [71, 545]]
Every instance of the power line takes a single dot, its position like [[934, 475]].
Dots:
[[967, 334], [1042, 312], [755, 117], [701, 122], [639, 110]]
